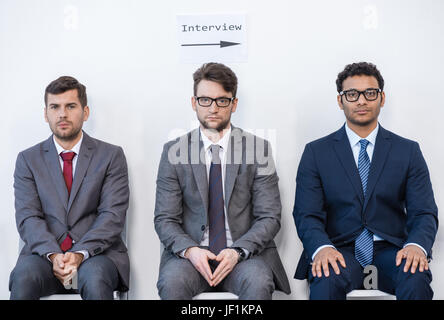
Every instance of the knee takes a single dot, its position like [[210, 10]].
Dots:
[[97, 279], [414, 285], [176, 286], [26, 275], [254, 281]]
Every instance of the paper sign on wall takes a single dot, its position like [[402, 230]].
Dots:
[[212, 38]]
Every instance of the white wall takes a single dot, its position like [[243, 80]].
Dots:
[[126, 53]]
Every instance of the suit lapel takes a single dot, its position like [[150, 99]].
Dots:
[[84, 158], [380, 153], [55, 170], [231, 167], [198, 166], [345, 155]]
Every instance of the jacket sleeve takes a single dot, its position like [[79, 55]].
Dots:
[[168, 212], [309, 212], [30, 218], [422, 212]]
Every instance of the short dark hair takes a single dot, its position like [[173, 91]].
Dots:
[[216, 72], [64, 84], [358, 69]]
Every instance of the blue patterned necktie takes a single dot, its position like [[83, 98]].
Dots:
[[364, 242], [216, 215]]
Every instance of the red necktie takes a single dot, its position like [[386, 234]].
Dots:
[[67, 174]]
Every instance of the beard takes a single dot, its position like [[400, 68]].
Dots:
[[66, 135], [220, 127]]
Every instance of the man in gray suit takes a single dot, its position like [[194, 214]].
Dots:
[[218, 206], [71, 198]]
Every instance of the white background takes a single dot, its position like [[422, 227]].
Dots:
[[126, 53]]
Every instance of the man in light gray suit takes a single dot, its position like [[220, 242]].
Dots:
[[71, 198], [218, 206]]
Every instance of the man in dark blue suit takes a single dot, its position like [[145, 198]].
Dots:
[[364, 197]]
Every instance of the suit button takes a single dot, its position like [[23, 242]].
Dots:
[[202, 228], [69, 228]]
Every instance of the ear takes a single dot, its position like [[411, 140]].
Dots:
[[339, 98], [85, 113], [194, 103], [234, 105], [45, 109], [382, 99]]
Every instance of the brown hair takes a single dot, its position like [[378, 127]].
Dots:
[[64, 84], [216, 72]]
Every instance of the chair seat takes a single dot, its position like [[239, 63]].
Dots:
[[116, 294], [62, 297], [216, 296], [369, 295]]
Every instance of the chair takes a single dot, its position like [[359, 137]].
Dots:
[[118, 295], [369, 295], [216, 296]]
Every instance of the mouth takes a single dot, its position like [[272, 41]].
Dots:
[[213, 118], [362, 112], [63, 124]]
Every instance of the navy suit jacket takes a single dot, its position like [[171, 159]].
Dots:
[[330, 207]]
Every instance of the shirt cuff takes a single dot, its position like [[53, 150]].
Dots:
[[415, 244], [319, 249], [85, 254]]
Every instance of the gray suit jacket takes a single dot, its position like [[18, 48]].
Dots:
[[251, 197], [93, 215]]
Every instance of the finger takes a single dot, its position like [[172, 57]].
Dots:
[[342, 260], [325, 268], [313, 269], [399, 257], [220, 268], [334, 265], [426, 265], [422, 263], [318, 269], [408, 262], [204, 272], [414, 264], [222, 275], [221, 256], [210, 255], [207, 271]]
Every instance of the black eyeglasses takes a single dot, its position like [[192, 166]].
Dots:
[[352, 95], [220, 102]]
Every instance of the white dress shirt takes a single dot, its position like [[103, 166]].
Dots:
[[223, 143], [355, 145], [76, 150]]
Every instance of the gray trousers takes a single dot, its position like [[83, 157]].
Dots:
[[33, 278], [251, 279]]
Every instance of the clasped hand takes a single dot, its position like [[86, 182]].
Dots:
[[227, 259], [64, 266]]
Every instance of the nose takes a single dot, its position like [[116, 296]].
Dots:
[[362, 99], [213, 107], [62, 112]]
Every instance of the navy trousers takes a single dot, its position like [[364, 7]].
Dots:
[[391, 279], [33, 278]]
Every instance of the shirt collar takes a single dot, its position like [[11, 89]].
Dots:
[[223, 142], [75, 149], [354, 138]]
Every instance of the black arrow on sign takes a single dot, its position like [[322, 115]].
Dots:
[[222, 44]]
